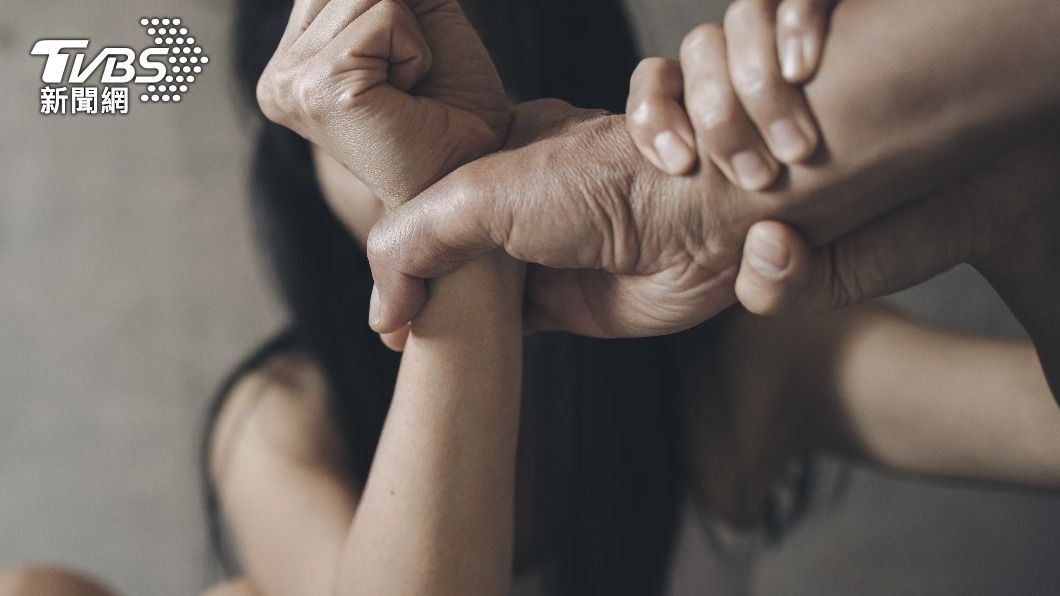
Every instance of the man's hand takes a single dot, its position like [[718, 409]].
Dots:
[[901, 110], [745, 113], [1004, 220], [401, 93], [1000, 218], [626, 250]]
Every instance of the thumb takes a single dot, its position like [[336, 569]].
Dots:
[[915, 242], [528, 199], [433, 234]]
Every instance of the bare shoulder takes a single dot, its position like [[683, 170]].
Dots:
[[280, 410]]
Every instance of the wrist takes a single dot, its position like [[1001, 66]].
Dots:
[[486, 294]]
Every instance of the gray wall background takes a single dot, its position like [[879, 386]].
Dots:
[[129, 284]]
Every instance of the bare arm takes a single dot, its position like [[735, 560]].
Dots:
[[924, 400], [908, 95], [436, 515], [282, 479]]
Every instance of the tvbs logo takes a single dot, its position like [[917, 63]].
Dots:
[[166, 70]]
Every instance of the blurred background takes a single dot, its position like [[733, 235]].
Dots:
[[130, 283]]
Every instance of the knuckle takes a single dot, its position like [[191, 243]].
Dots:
[[644, 112], [845, 284], [652, 66], [713, 106], [646, 72], [285, 96], [739, 13], [379, 247], [265, 92], [754, 85], [389, 9], [797, 14], [704, 39], [461, 188], [304, 94]]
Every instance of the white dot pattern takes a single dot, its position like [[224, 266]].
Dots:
[[185, 57]]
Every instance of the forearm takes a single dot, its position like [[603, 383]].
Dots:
[[926, 401], [910, 92], [436, 515], [908, 95]]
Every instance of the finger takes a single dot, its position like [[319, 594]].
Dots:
[[917, 241], [802, 27], [551, 213], [775, 268], [386, 30], [724, 133], [656, 118], [352, 91], [428, 236], [396, 341], [337, 16], [778, 109], [302, 14]]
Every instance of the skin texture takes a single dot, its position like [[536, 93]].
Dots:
[[1017, 199], [876, 387], [437, 512], [647, 254], [1001, 218], [435, 515], [873, 386], [341, 78], [775, 43]]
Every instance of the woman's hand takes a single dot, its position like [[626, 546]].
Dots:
[[400, 92], [733, 96]]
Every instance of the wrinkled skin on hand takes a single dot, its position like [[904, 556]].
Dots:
[[399, 93], [625, 250], [997, 218]]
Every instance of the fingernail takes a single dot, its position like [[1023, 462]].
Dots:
[[673, 152], [792, 62], [751, 170], [810, 51], [766, 256], [789, 142], [375, 316]]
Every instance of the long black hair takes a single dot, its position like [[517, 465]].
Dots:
[[609, 463]]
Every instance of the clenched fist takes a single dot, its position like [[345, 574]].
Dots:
[[400, 92]]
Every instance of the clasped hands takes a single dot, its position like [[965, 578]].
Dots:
[[642, 224]]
